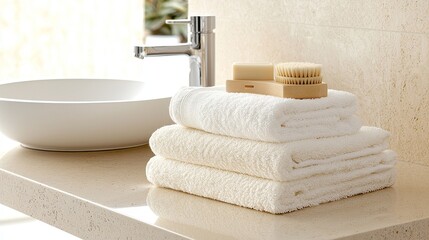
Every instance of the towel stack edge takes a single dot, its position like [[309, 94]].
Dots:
[[263, 194], [269, 154]]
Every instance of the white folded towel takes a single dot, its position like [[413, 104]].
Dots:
[[267, 195], [265, 118], [277, 161]]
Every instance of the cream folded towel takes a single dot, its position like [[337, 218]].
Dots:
[[277, 161], [267, 195], [265, 118]]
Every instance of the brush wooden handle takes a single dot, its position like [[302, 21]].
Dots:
[[278, 89]]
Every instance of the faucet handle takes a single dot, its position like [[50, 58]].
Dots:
[[198, 24]]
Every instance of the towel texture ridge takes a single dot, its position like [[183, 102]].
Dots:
[[265, 118], [277, 161], [268, 195]]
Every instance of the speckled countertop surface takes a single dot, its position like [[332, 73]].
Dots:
[[105, 195]]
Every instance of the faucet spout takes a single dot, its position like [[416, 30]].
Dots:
[[200, 49], [146, 51]]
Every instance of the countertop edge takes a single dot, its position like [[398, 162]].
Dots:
[[413, 230], [58, 208]]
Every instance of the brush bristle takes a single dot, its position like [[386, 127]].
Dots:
[[299, 81], [298, 73]]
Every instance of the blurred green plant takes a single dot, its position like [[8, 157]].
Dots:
[[157, 11]]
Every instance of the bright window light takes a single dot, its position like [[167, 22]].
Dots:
[[70, 39]]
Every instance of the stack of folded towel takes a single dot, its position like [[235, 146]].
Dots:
[[267, 153]]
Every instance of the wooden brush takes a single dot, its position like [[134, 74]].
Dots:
[[292, 80]]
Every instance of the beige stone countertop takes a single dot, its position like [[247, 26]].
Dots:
[[105, 195]]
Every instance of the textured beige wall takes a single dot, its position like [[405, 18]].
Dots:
[[378, 50]]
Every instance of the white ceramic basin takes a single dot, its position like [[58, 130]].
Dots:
[[81, 114]]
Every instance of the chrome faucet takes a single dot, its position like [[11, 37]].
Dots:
[[200, 48]]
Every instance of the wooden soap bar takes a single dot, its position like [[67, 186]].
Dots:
[[253, 71], [278, 89]]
